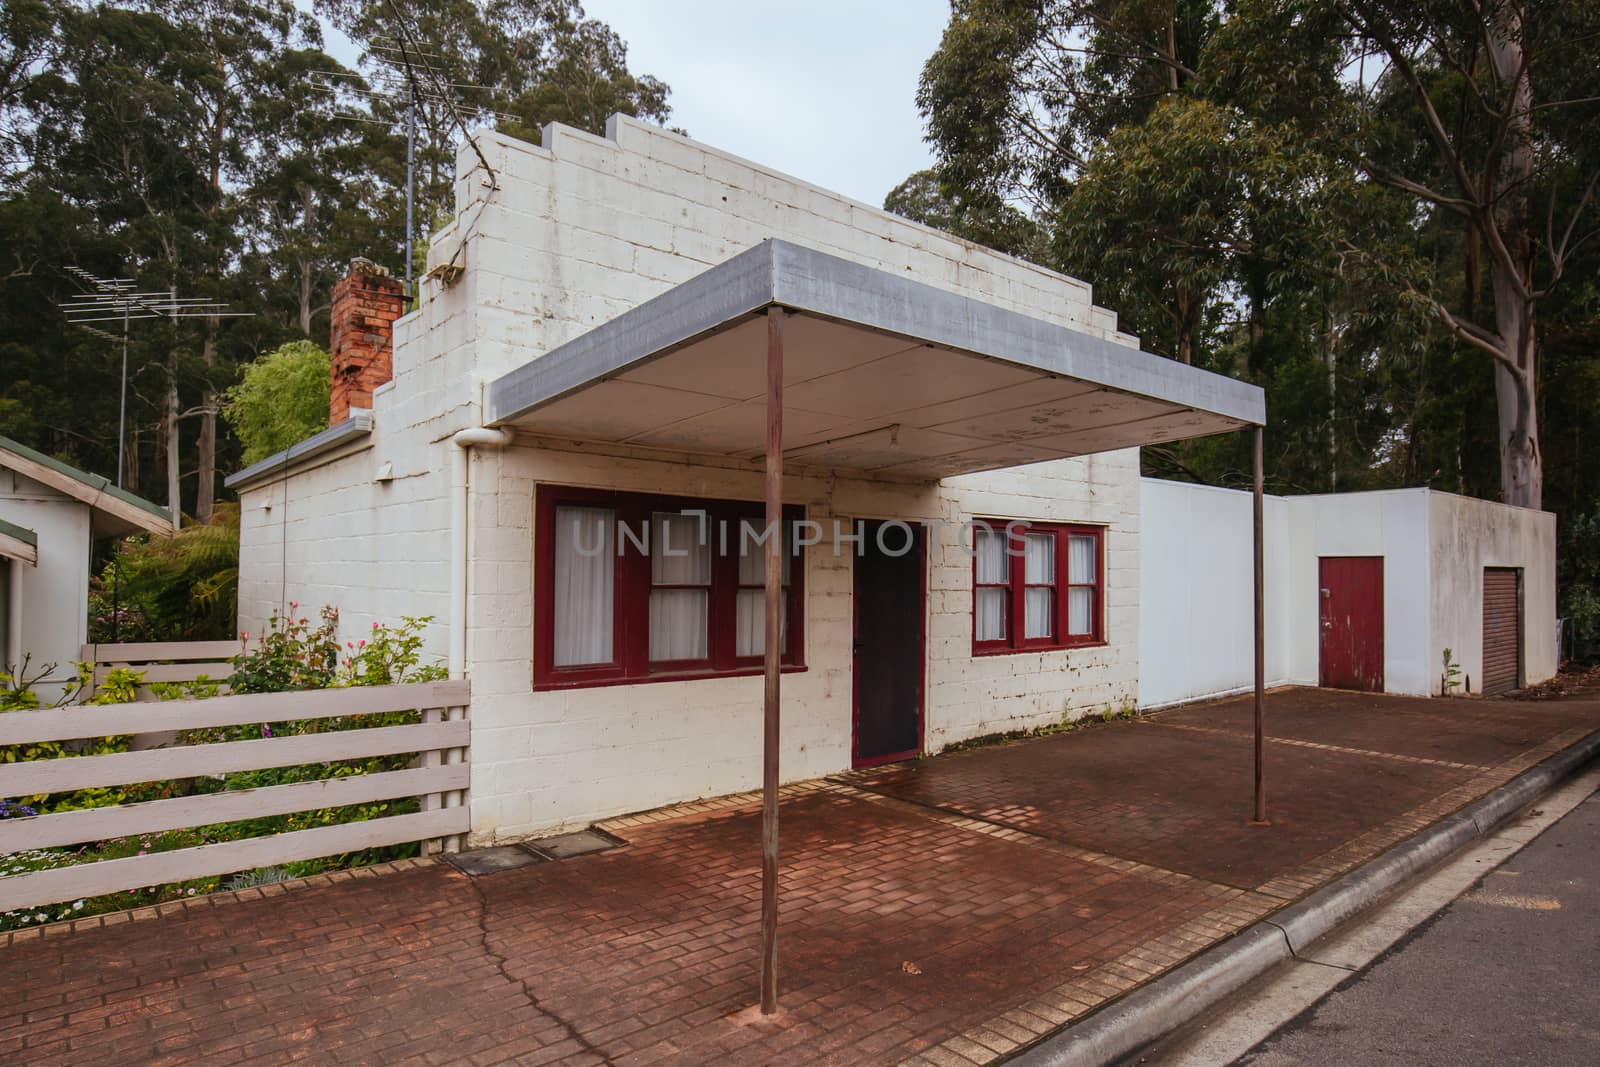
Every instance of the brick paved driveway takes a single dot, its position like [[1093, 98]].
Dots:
[[946, 910]]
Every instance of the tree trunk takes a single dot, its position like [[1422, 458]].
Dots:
[[205, 492], [169, 426], [206, 447], [1329, 356], [1521, 464], [1184, 321], [131, 474], [308, 221]]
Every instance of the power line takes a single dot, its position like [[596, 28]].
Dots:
[[395, 82]]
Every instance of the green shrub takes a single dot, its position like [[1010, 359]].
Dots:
[[292, 655], [179, 588]]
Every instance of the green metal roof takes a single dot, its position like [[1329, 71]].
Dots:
[[21, 533], [92, 481]]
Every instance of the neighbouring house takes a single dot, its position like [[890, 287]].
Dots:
[[50, 516], [560, 455]]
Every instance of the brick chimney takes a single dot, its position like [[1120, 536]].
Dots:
[[366, 301]]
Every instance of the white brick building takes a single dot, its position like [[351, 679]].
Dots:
[[600, 304]]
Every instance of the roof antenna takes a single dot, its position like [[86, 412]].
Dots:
[[118, 300]]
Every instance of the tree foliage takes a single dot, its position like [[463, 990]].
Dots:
[[215, 149], [1379, 211], [281, 399]]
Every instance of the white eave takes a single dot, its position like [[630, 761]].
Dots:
[[113, 512]]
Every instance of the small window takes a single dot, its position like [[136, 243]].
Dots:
[[633, 587], [1035, 586], [751, 623], [680, 589], [992, 585]]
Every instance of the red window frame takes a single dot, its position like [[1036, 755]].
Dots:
[[1016, 585], [632, 583]]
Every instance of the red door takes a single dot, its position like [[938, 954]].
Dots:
[[1351, 597]]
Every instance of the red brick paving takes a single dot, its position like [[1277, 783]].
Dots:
[[1172, 798], [634, 956], [647, 954], [1484, 732]]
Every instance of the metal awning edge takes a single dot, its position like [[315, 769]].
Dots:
[[711, 299], [803, 279], [358, 425]]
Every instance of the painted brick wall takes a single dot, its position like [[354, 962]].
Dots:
[[571, 234]]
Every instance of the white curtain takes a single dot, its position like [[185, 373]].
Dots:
[[1039, 561], [1082, 562], [680, 555], [992, 566], [750, 620], [585, 563]]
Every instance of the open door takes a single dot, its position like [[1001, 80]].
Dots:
[[888, 648], [1350, 594]]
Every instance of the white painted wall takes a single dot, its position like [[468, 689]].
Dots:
[[574, 233], [1466, 537], [1196, 614], [50, 601], [1195, 589]]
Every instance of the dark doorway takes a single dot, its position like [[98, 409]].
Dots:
[[1351, 618], [888, 657], [1502, 630]]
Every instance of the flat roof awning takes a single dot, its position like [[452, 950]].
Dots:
[[882, 375]]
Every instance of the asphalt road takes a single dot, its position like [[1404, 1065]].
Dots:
[[1507, 974]]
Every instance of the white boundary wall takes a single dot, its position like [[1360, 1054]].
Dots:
[[578, 230], [1195, 591]]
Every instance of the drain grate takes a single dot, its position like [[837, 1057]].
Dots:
[[578, 843], [509, 857], [491, 860]]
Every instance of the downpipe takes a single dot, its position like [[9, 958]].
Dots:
[[460, 500]]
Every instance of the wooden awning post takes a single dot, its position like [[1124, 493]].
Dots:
[[1260, 625], [772, 653]]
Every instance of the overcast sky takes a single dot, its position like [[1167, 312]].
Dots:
[[825, 90]]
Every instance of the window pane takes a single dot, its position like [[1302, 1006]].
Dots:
[[1037, 611], [753, 552], [990, 548], [678, 624], [1040, 558], [989, 616], [1082, 559], [680, 550], [1080, 612], [751, 623], [585, 562]]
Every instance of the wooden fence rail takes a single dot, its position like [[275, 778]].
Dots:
[[164, 661], [441, 781]]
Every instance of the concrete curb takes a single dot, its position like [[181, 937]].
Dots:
[[1151, 1011]]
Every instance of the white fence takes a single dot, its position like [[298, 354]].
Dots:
[[441, 781]]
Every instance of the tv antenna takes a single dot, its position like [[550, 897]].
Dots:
[[119, 300], [395, 81]]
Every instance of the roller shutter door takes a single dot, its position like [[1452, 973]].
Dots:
[[1502, 630]]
